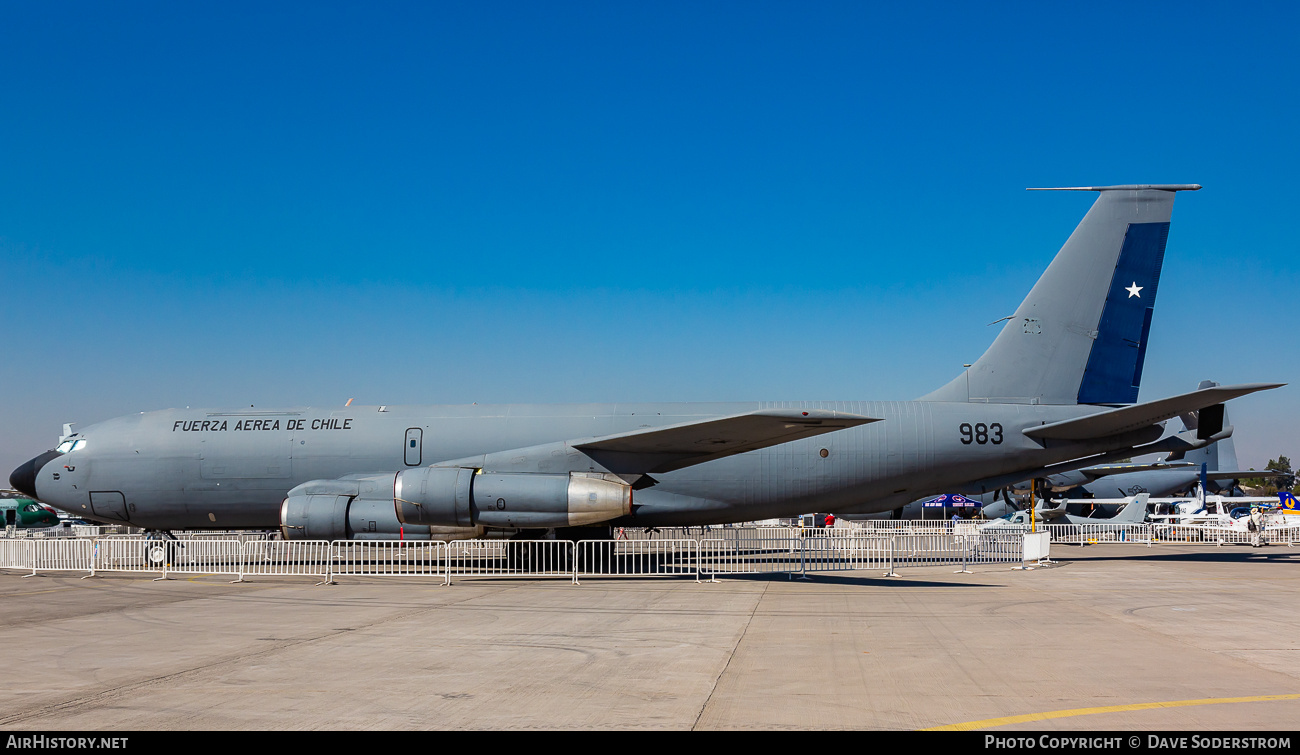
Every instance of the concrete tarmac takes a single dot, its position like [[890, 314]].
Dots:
[[1091, 643]]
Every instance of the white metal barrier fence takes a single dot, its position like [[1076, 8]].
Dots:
[[856, 550], [62, 555], [1154, 533], [201, 557], [821, 553], [164, 556], [1220, 535], [755, 551], [636, 558], [46, 555], [509, 558], [1091, 534], [128, 554], [287, 558], [752, 551], [14, 554], [389, 558]]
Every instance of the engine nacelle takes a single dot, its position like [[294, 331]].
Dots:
[[453, 496], [315, 517], [357, 507]]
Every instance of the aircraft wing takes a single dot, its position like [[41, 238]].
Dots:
[[663, 449], [1137, 416], [1103, 470]]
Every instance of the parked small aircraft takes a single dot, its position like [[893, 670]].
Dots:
[[24, 513]]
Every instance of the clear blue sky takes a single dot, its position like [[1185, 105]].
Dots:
[[284, 204]]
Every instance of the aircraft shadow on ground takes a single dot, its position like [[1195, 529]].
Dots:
[[1235, 555], [904, 580]]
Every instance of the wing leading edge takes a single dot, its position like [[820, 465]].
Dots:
[[664, 449]]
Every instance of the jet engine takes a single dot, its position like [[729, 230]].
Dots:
[[448, 503], [357, 507], [453, 496]]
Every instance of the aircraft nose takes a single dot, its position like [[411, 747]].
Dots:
[[23, 478]]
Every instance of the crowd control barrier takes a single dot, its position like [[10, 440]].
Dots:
[[509, 558], [636, 558], [741, 551], [389, 558], [698, 552]]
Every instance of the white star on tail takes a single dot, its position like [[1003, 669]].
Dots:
[[1134, 289]]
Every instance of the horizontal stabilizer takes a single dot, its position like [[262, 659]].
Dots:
[[1122, 187], [1237, 474], [1126, 419], [663, 449]]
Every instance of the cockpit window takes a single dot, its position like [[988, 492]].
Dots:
[[71, 445]]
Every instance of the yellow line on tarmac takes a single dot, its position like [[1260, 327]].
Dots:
[[989, 723]]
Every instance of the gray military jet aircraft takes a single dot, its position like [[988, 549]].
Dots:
[[1054, 392]]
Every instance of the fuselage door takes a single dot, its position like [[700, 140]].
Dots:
[[414, 452], [109, 504]]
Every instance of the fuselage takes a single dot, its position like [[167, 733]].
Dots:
[[1075, 345], [184, 468]]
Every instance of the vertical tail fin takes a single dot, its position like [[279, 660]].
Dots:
[[1134, 512], [1080, 335]]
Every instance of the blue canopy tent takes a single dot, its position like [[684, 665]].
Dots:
[[950, 500]]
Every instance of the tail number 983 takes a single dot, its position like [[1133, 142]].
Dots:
[[981, 433]]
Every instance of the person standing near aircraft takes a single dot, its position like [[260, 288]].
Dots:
[[1256, 526]]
